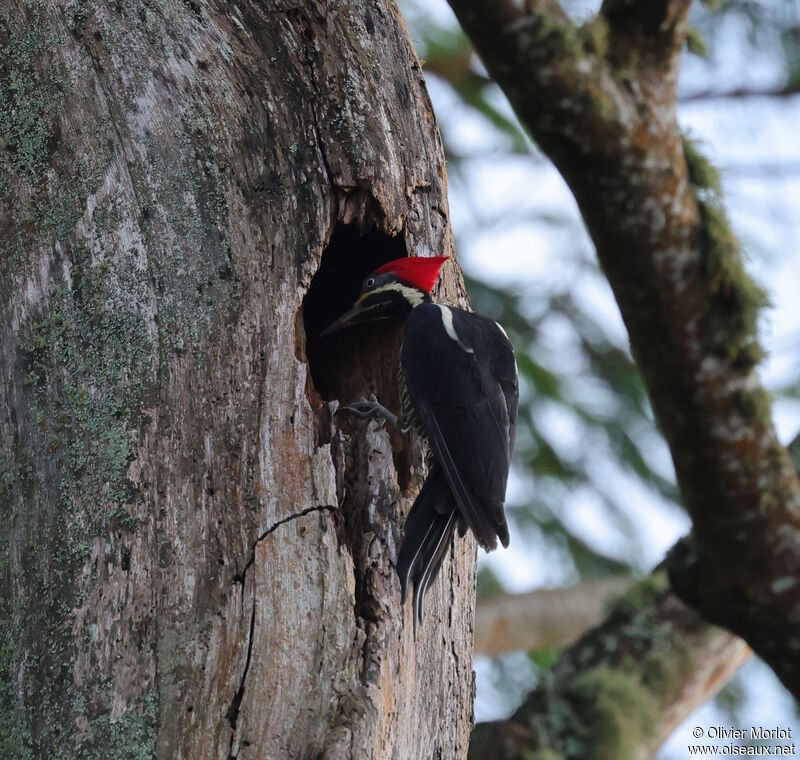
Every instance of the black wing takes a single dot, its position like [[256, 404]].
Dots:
[[461, 376]]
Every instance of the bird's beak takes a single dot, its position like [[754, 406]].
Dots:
[[358, 315]]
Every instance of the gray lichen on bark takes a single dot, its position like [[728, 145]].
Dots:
[[196, 559]]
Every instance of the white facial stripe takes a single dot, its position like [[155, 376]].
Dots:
[[449, 327], [412, 295]]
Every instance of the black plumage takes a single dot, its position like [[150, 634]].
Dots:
[[429, 528], [460, 376], [458, 385]]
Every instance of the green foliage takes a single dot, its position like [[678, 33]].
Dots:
[[447, 54], [622, 426], [696, 42], [545, 657]]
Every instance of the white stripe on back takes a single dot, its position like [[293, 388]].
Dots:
[[449, 327]]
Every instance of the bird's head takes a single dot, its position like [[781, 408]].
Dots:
[[392, 290]]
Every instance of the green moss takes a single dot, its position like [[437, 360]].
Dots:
[[702, 174], [664, 668], [48, 711], [133, 736], [89, 363], [753, 405], [738, 299], [640, 597], [594, 36], [32, 97], [604, 703], [553, 39], [44, 624], [617, 714], [59, 215], [600, 103]]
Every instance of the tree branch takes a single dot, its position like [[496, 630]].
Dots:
[[545, 617], [663, 240], [622, 689], [646, 34], [741, 93], [562, 64]]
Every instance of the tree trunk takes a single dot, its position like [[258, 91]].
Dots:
[[197, 555], [600, 101]]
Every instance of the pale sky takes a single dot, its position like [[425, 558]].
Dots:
[[755, 144]]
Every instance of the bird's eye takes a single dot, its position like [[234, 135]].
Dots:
[[370, 281]]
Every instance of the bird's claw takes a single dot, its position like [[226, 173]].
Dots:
[[364, 408]]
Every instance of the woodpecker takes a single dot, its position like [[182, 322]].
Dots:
[[459, 391]]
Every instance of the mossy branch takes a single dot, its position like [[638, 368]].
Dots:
[[623, 687], [602, 107], [654, 30]]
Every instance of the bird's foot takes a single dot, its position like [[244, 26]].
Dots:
[[371, 408]]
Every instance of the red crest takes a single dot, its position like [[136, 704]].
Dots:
[[419, 271]]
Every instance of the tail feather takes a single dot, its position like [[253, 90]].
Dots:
[[432, 561], [429, 529]]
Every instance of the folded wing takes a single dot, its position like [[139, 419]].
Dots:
[[460, 373]]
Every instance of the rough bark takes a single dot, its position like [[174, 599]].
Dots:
[[620, 691], [197, 556], [600, 101]]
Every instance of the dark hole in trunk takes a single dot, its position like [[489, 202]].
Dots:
[[362, 359]]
